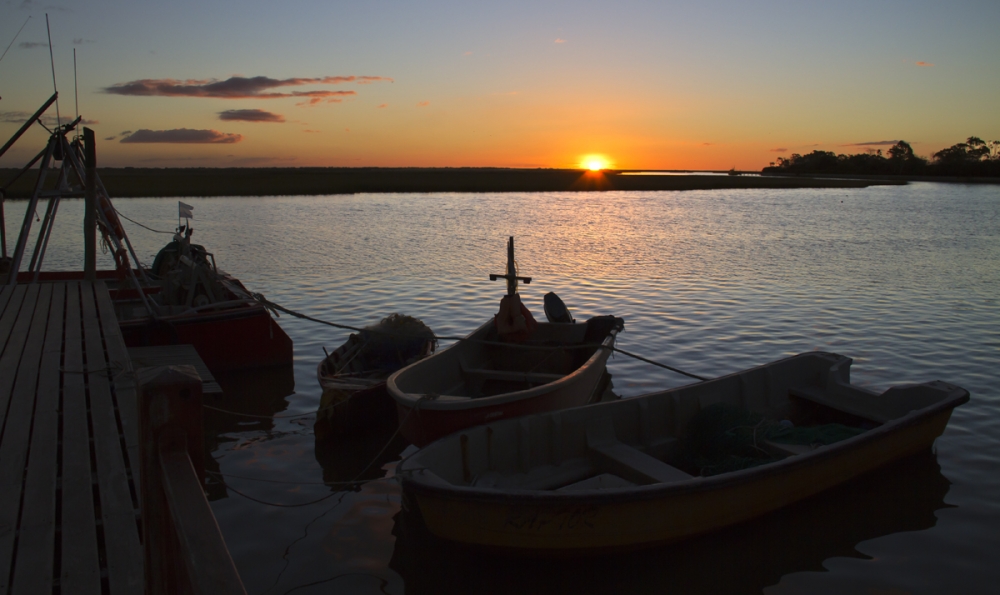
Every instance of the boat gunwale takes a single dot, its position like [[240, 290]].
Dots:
[[460, 403], [440, 487]]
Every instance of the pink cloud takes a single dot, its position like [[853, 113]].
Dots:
[[423, 104], [924, 64], [383, 105], [182, 135], [559, 40]]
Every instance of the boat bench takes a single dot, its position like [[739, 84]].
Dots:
[[627, 462], [855, 406], [484, 374]]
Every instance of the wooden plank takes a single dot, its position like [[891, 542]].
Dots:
[[175, 355], [125, 389], [5, 293], [203, 549], [13, 335], [33, 572], [121, 537], [14, 448], [7, 298], [80, 570]]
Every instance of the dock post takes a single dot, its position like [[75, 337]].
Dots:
[[90, 207], [183, 547]]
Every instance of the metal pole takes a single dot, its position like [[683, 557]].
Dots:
[[22, 238], [90, 207]]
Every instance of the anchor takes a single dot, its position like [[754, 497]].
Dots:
[[514, 322], [511, 275]]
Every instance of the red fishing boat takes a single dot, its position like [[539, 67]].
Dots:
[[183, 298]]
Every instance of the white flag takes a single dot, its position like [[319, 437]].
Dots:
[[184, 211]]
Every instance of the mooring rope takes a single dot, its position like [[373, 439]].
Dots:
[[120, 214], [273, 306]]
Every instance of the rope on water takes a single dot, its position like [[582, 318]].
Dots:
[[649, 361]]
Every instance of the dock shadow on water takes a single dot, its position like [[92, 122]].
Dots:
[[743, 559]]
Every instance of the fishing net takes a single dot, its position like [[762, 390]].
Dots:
[[395, 341], [722, 438]]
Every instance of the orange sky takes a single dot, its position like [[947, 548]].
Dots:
[[671, 86]]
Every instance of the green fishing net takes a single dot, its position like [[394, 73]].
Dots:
[[722, 438]]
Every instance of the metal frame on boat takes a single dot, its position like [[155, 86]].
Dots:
[[189, 301], [600, 477]]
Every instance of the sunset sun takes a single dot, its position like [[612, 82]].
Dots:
[[594, 162]]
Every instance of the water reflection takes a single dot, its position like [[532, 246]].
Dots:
[[743, 559], [249, 401], [354, 440]]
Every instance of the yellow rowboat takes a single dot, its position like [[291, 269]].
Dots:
[[629, 473]]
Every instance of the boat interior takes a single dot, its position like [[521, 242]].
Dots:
[[647, 440], [482, 366]]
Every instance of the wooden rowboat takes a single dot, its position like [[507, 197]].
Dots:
[[481, 379], [621, 474]]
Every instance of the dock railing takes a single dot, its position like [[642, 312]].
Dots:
[[183, 546]]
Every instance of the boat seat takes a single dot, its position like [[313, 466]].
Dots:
[[612, 456], [604, 481], [856, 406], [484, 374], [781, 448]]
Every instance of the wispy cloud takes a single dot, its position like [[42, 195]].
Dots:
[[81, 41], [423, 104], [924, 64], [871, 143], [46, 119], [559, 40], [466, 53], [250, 115], [382, 105], [110, 137], [30, 45], [182, 135], [779, 150], [707, 144], [236, 87]]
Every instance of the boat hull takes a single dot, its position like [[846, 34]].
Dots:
[[533, 523], [602, 477], [244, 337], [425, 416]]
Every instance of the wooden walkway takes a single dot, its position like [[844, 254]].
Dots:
[[69, 460]]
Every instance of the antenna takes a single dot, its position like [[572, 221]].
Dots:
[[53, 61], [15, 37], [76, 90]]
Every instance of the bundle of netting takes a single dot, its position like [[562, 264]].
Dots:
[[395, 341], [722, 438]]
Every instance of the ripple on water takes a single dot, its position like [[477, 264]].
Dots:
[[902, 279]]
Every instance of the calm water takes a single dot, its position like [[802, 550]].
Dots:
[[903, 279]]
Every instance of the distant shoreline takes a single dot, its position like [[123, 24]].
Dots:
[[206, 182]]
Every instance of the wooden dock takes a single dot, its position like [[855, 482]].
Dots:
[[69, 456]]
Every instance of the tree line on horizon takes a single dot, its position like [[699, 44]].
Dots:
[[973, 158]]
